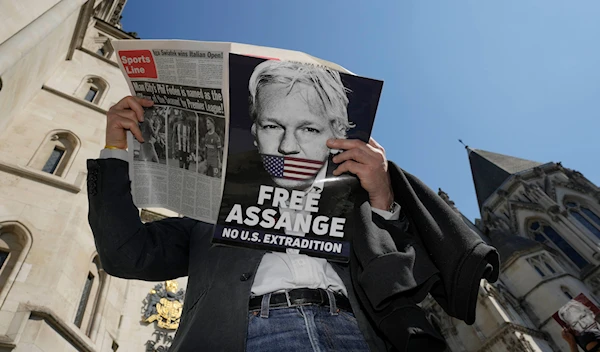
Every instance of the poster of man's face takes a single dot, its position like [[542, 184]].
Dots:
[[578, 315], [279, 168], [292, 110]]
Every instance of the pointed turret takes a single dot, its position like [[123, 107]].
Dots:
[[490, 170]]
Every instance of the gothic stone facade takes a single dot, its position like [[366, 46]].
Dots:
[[544, 219], [58, 76]]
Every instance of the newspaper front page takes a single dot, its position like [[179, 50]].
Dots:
[[182, 163]]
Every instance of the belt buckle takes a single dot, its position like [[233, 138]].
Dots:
[[287, 298]]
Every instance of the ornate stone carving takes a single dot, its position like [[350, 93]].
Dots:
[[594, 282], [148, 216], [164, 304], [538, 171], [115, 18], [161, 342], [502, 193], [447, 199], [513, 339], [579, 182], [553, 211], [549, 188]]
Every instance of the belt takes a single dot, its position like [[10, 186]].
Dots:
[[301, 297]]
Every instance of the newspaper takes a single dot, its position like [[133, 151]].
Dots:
[[180, 164], [183, 161]]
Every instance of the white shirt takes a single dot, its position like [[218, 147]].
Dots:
[[280, 271]]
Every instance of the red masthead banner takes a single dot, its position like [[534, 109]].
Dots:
[[138, 63]]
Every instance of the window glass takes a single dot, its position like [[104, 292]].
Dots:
[[3, 256], [91, 94], [85, 296], [53, 160], [544, 233]]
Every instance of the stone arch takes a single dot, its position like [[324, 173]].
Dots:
[[544, 231], [92, 298], [92, 89], [585, 213], [567, 292], [16, 241], [56, 153]]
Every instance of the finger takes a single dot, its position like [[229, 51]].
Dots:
[[132, 126], [357, 154], [349, 166], [145, 102], [129, 114], [345, 143], [132, 103], [373, 142]]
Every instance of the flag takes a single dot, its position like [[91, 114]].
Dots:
[[291, 168]]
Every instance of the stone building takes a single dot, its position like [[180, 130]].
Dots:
[[544, 219], [58, 76]]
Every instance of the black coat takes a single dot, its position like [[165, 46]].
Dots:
[[394, 264]]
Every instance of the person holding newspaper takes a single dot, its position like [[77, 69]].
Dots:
[[244, 299]]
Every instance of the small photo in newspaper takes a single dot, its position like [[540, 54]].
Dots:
[[154, 148], [280, 193], [182, 139], [581, 317]]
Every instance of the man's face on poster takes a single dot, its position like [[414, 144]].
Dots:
[[579, 319], [292, 123]]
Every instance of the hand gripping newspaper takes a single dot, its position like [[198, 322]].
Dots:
[[236, 138]]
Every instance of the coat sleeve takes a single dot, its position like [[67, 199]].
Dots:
[[127, 247], [394, 273], [428, 250], [461, 256]]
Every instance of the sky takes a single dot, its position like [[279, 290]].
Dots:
[[514, 77]]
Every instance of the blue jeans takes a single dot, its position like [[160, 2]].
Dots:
[[306, 328]]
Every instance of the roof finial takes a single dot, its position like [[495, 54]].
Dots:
[[461, 142]]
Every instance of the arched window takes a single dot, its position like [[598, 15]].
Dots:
[[10, 248], [543, 265], [56, 153], [545, 233], [15, 242], [102, 46], [585, 216], [89, 299], [92, 89], [566, 292], [537, 268]]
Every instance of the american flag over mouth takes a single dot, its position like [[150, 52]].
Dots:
[[291, 168]]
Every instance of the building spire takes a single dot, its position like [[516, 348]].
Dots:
[[490, 170], [469, 150]]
